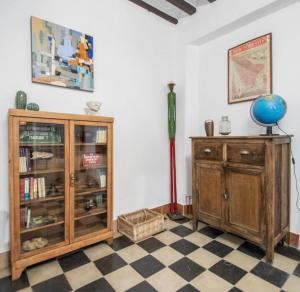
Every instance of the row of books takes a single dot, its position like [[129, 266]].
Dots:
[[101, 136], [25, 217], [32, 188], [24, 162]]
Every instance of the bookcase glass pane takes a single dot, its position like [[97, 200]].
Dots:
[[90, 206], [42, 185]]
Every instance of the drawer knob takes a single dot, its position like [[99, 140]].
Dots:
[[207, 150], [244, 152]]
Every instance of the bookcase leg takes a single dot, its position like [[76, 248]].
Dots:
[[195, 223], [109, 241], [16, 273]]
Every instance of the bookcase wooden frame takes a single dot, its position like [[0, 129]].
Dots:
[[20, 261]]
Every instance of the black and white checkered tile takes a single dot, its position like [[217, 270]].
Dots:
[[177, 259]]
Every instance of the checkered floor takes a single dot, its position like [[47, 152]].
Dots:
[[175, 260]]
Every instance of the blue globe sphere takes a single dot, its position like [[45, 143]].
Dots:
[[267, 110]]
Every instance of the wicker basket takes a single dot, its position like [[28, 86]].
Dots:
[[141, 224]]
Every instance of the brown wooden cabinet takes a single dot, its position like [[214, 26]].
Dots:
[[242, 185], [60, 184]]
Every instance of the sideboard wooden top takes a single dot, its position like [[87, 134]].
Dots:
[[241, 137], [62, 116]]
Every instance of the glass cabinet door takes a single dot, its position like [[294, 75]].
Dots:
[[42, 168], [89, 178]]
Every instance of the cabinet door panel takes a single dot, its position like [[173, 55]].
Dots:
[[90, 179], [210, 190], [41, 176], [245, 199]]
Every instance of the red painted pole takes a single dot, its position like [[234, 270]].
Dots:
[[174, 178], [171, 178]]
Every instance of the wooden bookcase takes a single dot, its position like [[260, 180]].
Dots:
[[61, 184]]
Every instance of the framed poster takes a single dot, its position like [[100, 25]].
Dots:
[[61, 56], [250, 69]]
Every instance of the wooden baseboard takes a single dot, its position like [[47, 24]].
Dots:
[[293, 239]]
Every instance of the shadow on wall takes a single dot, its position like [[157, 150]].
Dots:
[[4, 222]]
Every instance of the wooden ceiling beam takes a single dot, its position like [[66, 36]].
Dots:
[[183, 5], [154, 10]]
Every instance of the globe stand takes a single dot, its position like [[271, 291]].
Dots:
[[269, 132]]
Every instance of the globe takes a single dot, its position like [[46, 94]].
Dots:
[[267, 110]]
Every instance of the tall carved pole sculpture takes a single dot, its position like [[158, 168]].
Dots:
[[174, 215]]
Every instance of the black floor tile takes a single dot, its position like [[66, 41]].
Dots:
[[234, 289], [297, 271], [271, 274], [182, 221], [218, 248], [110, 263], [7, 285], [147, 266], [98, 285], [288, 251], [121, 242], [252, 250], [184, 246], [188, 288], [210, 232], [59, 283], [151, 244], [181, 231], [228, 271], [143, 286], [72, 261], [187, 269]]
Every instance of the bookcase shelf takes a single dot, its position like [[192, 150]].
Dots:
[[44, 171], [42, 200], [26, 230], [66, 183], [90, 191], [96, 211]]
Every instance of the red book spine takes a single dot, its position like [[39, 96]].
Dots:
[[22, 189]]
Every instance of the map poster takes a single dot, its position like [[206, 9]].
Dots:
[[250, 69]]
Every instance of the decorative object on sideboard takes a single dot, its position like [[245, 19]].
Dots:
[[250, 69], [267, 110], [61, 56], [33, 106], [209, 128], [224, 126], [93, 107], [21, 99]]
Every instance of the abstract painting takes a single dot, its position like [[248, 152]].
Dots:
[[250, 69], [61, 56]]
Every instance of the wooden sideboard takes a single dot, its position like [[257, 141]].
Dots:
[[242, 185]]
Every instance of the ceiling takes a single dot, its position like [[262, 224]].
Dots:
[[172, 10]]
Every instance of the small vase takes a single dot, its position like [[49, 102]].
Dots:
[[225, 126], [21, 100], [209, 128]]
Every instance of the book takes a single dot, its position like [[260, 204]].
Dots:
[[28, 218], [26, 190], [31, 188], [22, 189], [35, 189], [43, 187]]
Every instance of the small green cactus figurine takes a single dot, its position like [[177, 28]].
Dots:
[[21, 100], [33, 106]]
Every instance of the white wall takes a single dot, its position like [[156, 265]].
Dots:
[[133, 64], [206, 86]]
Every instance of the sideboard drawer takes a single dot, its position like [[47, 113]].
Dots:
[[208, 151], [246, 153]]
